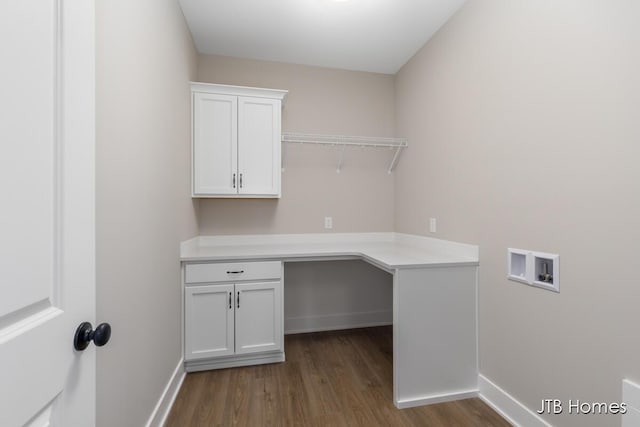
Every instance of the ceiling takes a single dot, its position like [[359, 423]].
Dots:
[[365, 35]]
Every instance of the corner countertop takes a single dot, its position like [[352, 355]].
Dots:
[[389, 251]]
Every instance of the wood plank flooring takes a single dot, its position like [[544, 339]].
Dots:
[[341, 378]]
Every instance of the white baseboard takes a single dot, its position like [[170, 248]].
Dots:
[[631, 396], [163, 407], [234, 361], [507, 406], [631, 418], [429, 400], [334, 322]]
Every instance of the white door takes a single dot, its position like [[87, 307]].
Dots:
[[208, 321], [259, 146], [258, 317], [47, 226], [215, 144]]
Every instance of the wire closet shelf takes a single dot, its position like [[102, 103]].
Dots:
[[349, 141]]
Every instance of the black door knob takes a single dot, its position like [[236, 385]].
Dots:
[[85, 334]]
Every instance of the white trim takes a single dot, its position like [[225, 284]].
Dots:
[[437, 398], [477, 307], [256, 92], [234, 361], [631, 418], [508, 406], [631, 394], [163, 407], [335, 322]]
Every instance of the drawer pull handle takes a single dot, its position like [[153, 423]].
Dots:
[[235, 272]]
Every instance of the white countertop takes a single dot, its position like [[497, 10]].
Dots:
[[387, 250]]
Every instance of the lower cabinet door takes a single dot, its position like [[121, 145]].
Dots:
[[258, 317], [209, 329]]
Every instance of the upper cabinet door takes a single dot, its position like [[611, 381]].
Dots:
[[215, 144], [259, 146]]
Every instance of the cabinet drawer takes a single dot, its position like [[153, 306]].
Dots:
[[232, 271]]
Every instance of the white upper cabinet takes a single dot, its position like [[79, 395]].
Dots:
[[236, 135], [215, 144]]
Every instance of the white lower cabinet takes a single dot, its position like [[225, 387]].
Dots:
[[232, 324], [258, 315], [209, 321]]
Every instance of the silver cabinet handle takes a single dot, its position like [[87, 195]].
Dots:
[[234, 180], [240, 180], [238, 299], [230, 306], [235, 272]]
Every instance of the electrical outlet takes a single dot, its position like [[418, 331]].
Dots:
[[328, 222], [432, 225]]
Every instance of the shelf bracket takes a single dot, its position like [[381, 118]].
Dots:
[[282, 150], [340, 159], [394, 160]]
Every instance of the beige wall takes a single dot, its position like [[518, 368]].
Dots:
[[145, 59], [320, 100], [336, 295], [523, 125], [522, 121]]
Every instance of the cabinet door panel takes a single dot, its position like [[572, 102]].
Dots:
[[259, 146], [215, 137], [209, 329], [259, 317]]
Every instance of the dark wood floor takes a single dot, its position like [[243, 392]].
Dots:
[[341, 378]]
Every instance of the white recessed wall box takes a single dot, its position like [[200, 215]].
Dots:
[[517, 263], [534, 268]]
